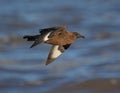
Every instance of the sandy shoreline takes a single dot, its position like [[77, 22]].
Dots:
[[91, 86]]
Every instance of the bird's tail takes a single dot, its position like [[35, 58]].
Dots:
[[36, 38], [31, 38]]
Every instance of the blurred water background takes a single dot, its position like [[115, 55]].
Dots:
[[90, 65]]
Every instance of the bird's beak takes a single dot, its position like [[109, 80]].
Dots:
[[82, 36]]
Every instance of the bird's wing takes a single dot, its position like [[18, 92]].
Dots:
[[53, 30], [56, 52], [37, 41], [36, 38]]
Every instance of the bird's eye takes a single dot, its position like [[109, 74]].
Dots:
[[59, 33]]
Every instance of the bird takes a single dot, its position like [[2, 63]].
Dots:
[[58, 37]]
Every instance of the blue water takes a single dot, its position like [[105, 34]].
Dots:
[[97, 56]]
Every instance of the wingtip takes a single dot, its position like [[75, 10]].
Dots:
[[31, 46], [49, 61]]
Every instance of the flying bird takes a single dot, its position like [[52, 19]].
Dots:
[[58, 37]]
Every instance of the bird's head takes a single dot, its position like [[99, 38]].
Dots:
[[78, 35]]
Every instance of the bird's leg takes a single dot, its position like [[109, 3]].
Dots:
[[61, 48]]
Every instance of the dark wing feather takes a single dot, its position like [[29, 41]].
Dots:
[[53, 30], [37, 41], [66, 46]]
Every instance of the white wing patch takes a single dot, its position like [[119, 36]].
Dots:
[[55, 52], [46, 37]]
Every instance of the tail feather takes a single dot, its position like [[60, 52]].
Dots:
[[36, 38], [31, 38]]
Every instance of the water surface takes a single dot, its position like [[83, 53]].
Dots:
[[84, 68]]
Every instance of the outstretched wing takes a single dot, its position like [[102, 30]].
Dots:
[[55, 52], [53, 30]]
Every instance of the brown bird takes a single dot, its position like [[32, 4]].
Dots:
[[58, 37]]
